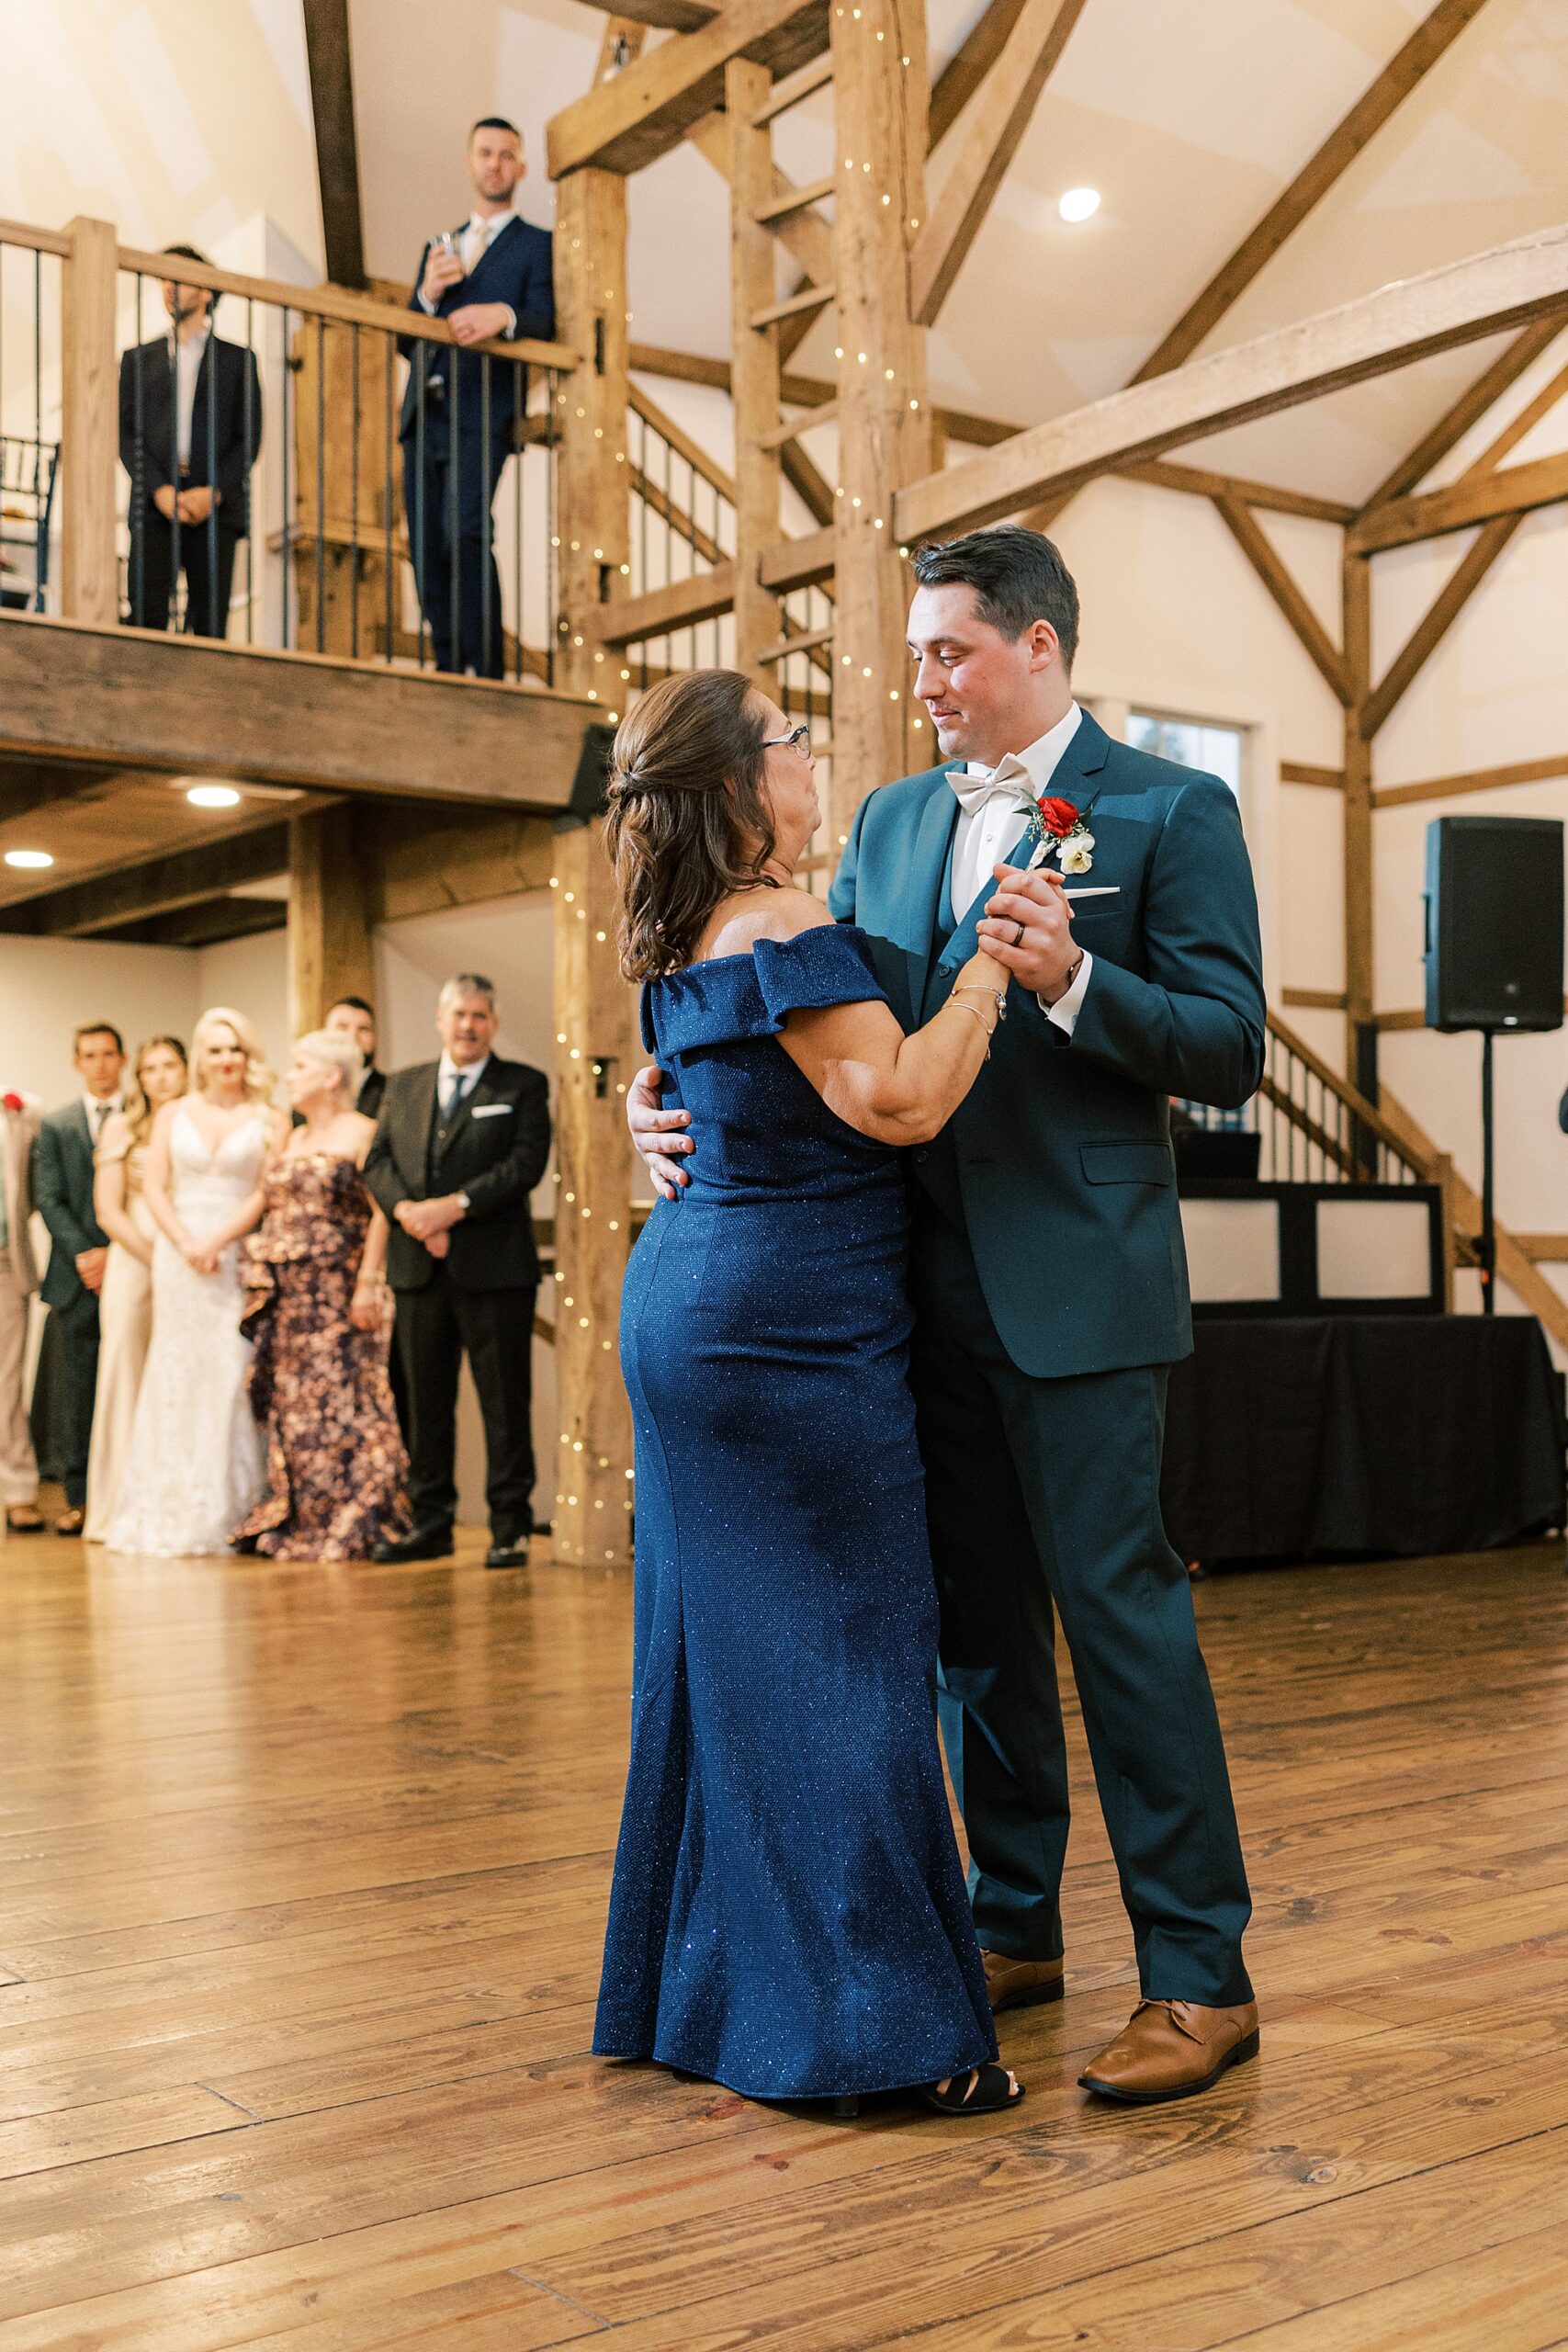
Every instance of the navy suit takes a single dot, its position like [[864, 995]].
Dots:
[[1050, 1288], [455, 428], [63, 1195]]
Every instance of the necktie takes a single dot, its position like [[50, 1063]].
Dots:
[[100, 1112], [457, 1087]]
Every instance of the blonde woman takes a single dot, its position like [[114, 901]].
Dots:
[[195, 1465], [125, 1302], [315, 1309]]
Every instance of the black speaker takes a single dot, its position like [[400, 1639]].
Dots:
[[1494, 950]]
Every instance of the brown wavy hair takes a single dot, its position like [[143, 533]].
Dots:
[[138, 1109], [688, 822]]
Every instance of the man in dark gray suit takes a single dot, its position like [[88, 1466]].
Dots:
[[63, 1195]]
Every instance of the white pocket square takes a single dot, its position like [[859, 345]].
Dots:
[[489, 1110], [1098, 890]]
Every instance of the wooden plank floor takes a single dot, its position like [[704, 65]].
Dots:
[[302, 1876]]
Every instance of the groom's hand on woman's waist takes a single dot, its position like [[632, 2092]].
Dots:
[[1028, 926], [656, 1135]]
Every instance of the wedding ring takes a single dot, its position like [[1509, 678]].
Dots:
[[1018, 940]]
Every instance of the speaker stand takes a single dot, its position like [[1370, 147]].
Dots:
[[1488, 1248]]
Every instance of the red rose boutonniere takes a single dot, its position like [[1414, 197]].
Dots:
[[1056, 822], [13, 1103]]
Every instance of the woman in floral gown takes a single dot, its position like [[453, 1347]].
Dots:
[[315, 1309]]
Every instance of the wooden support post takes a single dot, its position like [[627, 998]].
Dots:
[[594, 1159], [592, 502], [89, 426], [594, 1190], [755, 375], [1356, 639], [340, 383], [881, 93], [328, 931]]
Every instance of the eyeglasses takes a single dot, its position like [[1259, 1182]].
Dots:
[[798, 737]]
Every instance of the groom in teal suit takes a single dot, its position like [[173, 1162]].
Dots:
[[1049, 1281]]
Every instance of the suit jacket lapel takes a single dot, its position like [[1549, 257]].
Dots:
[[927, 878], [965, 939], [480, 1092], [422, 1121], [495, 246]]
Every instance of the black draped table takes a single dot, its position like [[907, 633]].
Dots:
[[1293, 1437]]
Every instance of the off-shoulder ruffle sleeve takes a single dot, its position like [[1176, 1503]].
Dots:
[[729, 998], [828, 964]]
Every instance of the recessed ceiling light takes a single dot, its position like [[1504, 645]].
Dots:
[[31, 860], [213, 796], [1079, 203]]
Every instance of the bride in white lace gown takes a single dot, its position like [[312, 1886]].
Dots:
[[195, 1465]]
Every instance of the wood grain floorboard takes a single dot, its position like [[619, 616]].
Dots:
[[302, 1879]]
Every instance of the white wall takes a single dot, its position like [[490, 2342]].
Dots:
[[48, 985]]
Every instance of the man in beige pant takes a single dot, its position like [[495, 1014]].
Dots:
[[18, 1280]]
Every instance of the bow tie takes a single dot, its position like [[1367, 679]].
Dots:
[[1009, 780]]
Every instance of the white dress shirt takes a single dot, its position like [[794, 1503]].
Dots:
[[475, 240], [447, 1070], [98, 1108], [985, 835], [189, 352]]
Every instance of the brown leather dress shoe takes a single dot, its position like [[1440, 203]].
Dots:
[[71, 1522], [1021, 1984], [24, 1518], [1170, 2049]]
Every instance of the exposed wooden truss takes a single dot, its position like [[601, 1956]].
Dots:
[[1406, 69], [1271, 570], [630, 122], [1510, 285], [1453, 787], [1440, 617], [327, 49], [1002, 115], [1474, 498]]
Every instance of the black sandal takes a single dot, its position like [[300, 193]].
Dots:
[[985, 2091]]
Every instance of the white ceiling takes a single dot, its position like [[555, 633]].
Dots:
[[183, 117]]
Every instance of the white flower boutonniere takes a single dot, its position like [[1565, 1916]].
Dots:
[[1077, 853]]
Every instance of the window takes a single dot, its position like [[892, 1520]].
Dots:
[[1189, 743]]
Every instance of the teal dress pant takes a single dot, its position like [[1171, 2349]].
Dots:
[[1043, 1498]]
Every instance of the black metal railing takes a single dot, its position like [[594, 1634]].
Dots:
[[1312, 1127], [31, 292], [336, 476]]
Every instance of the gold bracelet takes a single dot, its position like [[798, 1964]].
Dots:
[[983, 988], [979, 1016]]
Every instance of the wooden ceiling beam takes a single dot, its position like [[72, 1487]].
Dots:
[[968, 66], [1441, 616], [1452, 787], [991, 138], [1508, 285], [630, 122], [330, 66], [1474, 498], [1271, 570], [804, 233], [155, 887], [184, 707], [1403, 72], [666, 16], [1468, 409], [204, 924]]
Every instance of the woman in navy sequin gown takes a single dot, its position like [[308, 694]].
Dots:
[[789, 1914]]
